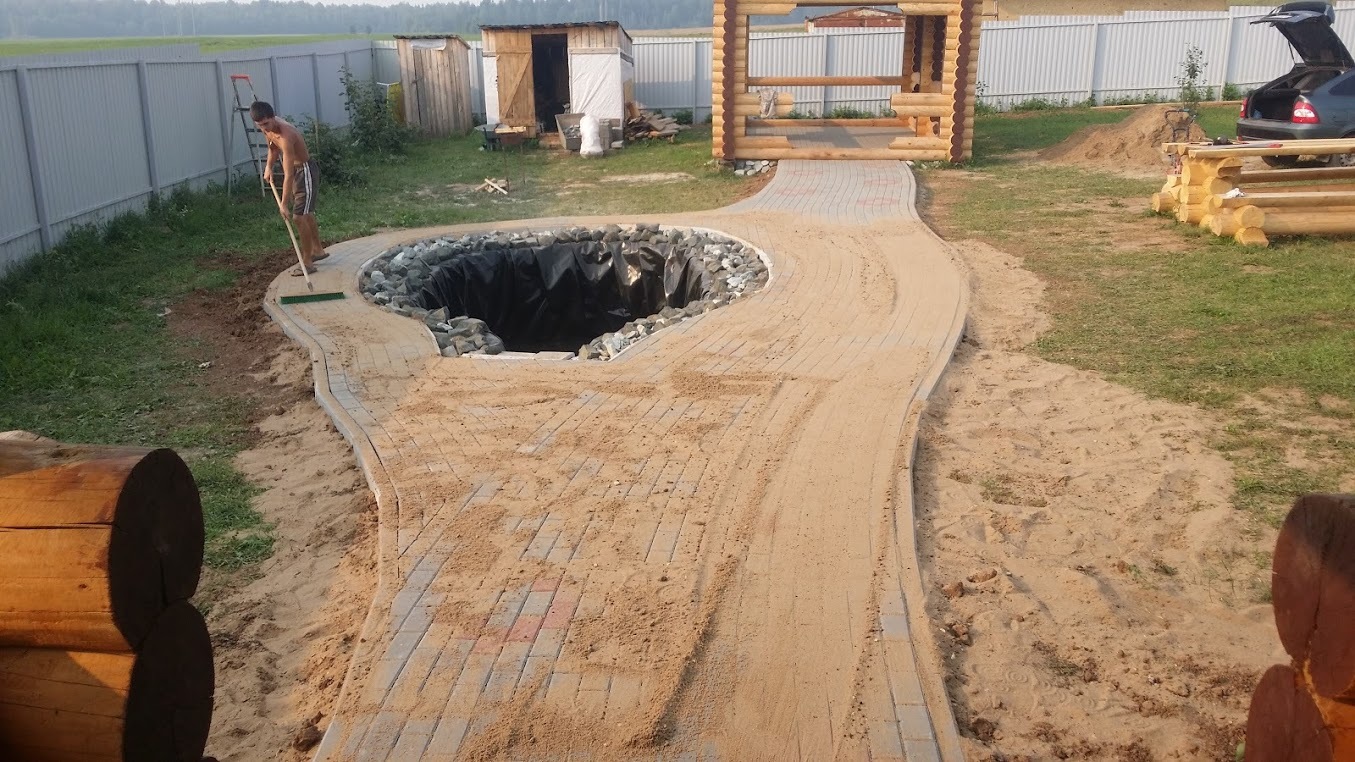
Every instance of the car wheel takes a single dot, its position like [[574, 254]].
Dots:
[[1339, 160], [1281, 162]]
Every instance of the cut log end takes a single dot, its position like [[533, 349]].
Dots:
[[1163, 203], [1251, 237], [169, 706], [156, 704], [165, 483], [1284, 724]]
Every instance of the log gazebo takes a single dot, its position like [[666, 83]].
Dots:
[[933, 108]]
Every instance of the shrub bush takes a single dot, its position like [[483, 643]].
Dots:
[[372, 125], [850, 112], [333, 153]]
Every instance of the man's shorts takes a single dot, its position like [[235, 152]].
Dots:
[[303, 195]]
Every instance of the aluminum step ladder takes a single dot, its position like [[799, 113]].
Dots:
[[253, 135]]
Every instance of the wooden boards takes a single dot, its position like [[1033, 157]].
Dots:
[[94, 543]]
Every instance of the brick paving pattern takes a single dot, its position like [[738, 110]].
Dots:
[[490, 570]]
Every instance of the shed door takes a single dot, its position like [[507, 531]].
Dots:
[[432, 87], [516, 93]]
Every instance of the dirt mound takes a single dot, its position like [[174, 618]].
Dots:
[[1133, 146]]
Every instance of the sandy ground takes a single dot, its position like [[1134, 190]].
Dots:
[[1132, 147], [1095, 596], [282, 632], [284, 639]]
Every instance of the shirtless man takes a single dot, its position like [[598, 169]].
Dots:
[[298, 180]]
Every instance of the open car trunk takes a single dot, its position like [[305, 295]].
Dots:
[[1308, 28], [1276, 99]]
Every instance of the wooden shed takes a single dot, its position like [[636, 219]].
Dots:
[[932, 104], [436, 83], [534, 73]]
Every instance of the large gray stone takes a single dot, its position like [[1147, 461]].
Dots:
[[438, 315]]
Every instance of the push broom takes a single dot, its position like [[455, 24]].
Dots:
[[300, 262]]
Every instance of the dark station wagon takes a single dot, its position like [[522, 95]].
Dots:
[[1316, 99]]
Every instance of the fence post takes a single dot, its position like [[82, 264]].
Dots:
[[315, 76], [1094, 70], [34, 167], [148, 127], [827, 72], [1231, 21], [225, 117], [273, 75], [697, 79]]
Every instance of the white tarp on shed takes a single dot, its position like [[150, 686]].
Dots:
[[597, 85], [491, 74]]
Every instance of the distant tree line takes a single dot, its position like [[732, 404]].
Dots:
[[150, 18]]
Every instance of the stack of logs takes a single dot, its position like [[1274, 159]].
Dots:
[[1214, 191], [1306, 711], [101, 654]]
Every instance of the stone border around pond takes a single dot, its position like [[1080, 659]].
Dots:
[[393, 279]]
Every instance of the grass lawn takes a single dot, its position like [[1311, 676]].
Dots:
[[1264, 337], [207, 44], [86, 354]]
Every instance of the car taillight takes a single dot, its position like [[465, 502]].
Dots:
[[1304, 113], [1242, 112]]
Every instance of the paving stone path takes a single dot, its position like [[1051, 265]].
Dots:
[[700, 550]]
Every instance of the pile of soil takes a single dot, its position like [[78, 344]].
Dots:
[[1132, 147]]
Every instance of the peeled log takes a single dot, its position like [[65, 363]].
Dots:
[[154, 705], [1298, 222], [94, 543], [1313, 583], [1284, 724], [1162, 203]]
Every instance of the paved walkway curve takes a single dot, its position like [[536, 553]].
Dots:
[[700, 550]]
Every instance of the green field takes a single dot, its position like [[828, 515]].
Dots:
[[207, 44]]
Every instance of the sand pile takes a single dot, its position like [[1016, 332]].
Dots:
[[1133, 146]]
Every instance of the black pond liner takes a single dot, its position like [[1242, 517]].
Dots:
[[555, 298]]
